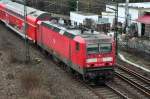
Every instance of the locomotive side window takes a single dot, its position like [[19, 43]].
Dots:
[[77, 46]]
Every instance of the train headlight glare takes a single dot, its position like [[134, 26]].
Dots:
[[91, 60], [107, 59]]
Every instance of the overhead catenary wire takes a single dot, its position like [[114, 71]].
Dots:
[[95, 7], [55, 3]]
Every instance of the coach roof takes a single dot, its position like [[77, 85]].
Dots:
[[19, 9]]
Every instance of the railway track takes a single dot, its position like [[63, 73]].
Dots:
[[106, 91], [109, 92], [140, 83], [112, 90]]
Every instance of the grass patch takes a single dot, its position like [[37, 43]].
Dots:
[[31, 82]]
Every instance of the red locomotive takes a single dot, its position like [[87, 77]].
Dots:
[[89, 53]]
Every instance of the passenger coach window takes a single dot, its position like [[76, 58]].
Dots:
[[77, 46]]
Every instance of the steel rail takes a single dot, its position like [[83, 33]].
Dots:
[[140, 77], [131, 82], [117, 92], [146, 80], [93, 88]]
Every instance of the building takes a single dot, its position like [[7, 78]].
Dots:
[[90, 20], [139, 14], [78, 18]]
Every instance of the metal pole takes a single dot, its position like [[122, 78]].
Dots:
[[116, 27], [127, 17], [36, 4], [27, 56], [77, 9]]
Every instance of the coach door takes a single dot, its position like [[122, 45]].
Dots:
[[39, 34], [77, 52]]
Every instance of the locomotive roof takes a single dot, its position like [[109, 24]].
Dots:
[[19, 9], [72, 32]]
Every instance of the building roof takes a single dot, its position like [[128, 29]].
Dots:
[[84, 13], [144, 19], [19, 9], [138, 5]]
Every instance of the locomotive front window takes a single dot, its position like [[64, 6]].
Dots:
[[105, 48], [99, 48], [93, 48]]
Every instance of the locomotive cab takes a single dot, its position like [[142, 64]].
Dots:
[[100, 57]]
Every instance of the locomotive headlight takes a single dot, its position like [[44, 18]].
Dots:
[[107, 59], [91, 60]]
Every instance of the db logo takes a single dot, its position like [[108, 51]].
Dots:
[[54, 41], [99, 59]]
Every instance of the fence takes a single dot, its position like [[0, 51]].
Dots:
[[138, 45]]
